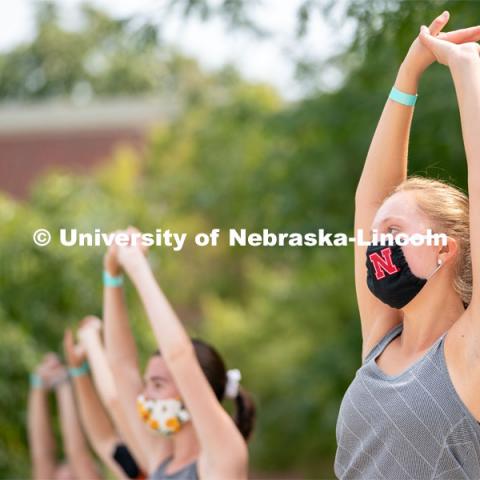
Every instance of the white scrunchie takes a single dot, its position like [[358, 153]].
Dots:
[[233, 381]]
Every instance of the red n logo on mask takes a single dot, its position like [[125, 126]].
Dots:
[[383, 264]]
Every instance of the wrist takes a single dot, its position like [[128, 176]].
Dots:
[[136, 269], [112, 267], [60, 380], [112, 281], [37, 382], [460, 64], [407, 78], [79, 371], [88, 336]]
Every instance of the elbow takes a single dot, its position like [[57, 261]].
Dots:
[[368, 199], [235, 464], [357, 195], [361, 195], [243, 454]]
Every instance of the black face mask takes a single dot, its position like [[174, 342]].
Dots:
[[389, 277]]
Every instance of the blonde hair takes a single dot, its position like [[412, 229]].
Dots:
[[447, 207]]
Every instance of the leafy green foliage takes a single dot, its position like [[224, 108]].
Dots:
[[237, 157], [105, 57]]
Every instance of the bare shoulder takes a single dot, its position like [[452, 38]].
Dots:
[[230, 463], [462, 357], [381, 326]]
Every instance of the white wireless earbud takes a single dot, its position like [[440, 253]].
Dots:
[[439, 264]]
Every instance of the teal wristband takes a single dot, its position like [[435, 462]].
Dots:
[[110, 281], [79, 371], [36, 381], [402, 97]]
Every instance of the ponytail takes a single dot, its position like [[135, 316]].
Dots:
[[215, 371], [245, 412]]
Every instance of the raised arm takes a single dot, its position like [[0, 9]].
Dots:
[[466, 77], [386, 167], [464, 63], [40, 432], [95, 421], [463, 339], [89, 335], [123, 359], [215, 428], [75, 445]]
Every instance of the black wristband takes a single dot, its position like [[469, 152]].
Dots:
[[126, 462]]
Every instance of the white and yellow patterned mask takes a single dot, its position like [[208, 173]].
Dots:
[[165, 416]]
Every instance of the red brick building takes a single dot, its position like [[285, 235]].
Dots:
[[38, 137]]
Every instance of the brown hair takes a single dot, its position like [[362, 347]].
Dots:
[[214, 369], [447, 207]]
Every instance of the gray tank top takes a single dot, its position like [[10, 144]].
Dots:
[[189, 472], [407, 426]]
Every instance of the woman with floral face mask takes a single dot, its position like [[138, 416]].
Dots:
[[175, 413], [412, 410]]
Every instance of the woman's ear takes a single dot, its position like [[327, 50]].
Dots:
[[449, 251]]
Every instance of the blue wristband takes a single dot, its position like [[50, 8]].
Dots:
[[79, 371], [110, 281], [36, 381], [402, 97]]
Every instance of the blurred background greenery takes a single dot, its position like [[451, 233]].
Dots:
[[238, 155]]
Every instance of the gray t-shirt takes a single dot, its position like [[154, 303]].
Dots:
[[189, 472], [407, 426]]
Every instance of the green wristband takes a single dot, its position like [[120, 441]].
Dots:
[[79, 371], [36, 381], [401, 97], [60, 381], [111, 281]]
